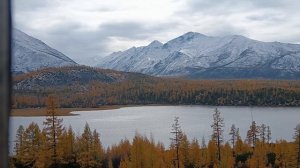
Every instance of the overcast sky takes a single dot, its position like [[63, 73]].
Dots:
[[85, 30]]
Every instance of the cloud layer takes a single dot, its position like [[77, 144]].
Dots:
[[87, 30]]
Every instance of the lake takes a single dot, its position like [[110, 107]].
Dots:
[[114, 125]]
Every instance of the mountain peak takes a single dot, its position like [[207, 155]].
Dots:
[[192, 34], [155, 43], [187, 37]]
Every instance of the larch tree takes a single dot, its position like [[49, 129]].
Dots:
[[176, 139], [297, 138], [85, 147], [90, 149], [53, 129], [31, 146], [263, 133], [67, 145], [97, 149], [212, 154], [19, 145], [204, 152], [195, 154], [234, 133], [259, 156], [185, 151], [217, 126], [137, 153], [269, 133], [252, 134]]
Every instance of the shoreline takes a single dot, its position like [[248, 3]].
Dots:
[[41, 112]]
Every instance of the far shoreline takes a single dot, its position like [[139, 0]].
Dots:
[[41, 112]]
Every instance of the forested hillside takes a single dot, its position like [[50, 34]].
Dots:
[[81, 86]]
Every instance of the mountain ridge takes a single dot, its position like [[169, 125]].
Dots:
[[30, 54], [195, 55]]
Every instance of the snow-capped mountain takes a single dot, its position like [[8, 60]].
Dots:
[[195, 55], [31, 54]]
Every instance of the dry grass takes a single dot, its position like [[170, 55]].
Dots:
[[30, 112]]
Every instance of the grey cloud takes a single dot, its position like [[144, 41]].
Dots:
[[135, 30], [272, 18], [225, 29], [212, 17], [226, 7], [124, 29], [31, 5], [84, 45]]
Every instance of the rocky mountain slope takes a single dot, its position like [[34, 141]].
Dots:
[[31, 54], [194, 55]]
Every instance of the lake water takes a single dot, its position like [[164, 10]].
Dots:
[[114, 125]]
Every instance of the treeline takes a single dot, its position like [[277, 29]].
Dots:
[[55, 146], [165, 91]]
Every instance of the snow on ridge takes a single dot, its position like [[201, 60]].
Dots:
[[195, 52], [30, 54]]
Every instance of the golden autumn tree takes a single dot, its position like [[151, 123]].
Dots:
[[90, 152], [19, 145], [68, 148], [195, 154], [29, 150], [85, 148], [175, 141], [53, 129], [253, 134], [97, 149], [259, 157], [184, 151], [227, 160]]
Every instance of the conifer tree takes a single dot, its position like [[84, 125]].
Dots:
[[233, 137], [212, 153], [19, 145], [97, 150], [185, 151], [90, 149], [252, 134], [67, 145], [31, 146], [85, 143], [263, 133], [175, 141], [217, 136], [195, 154], [297, 140], [53, 130], [269, 135]]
